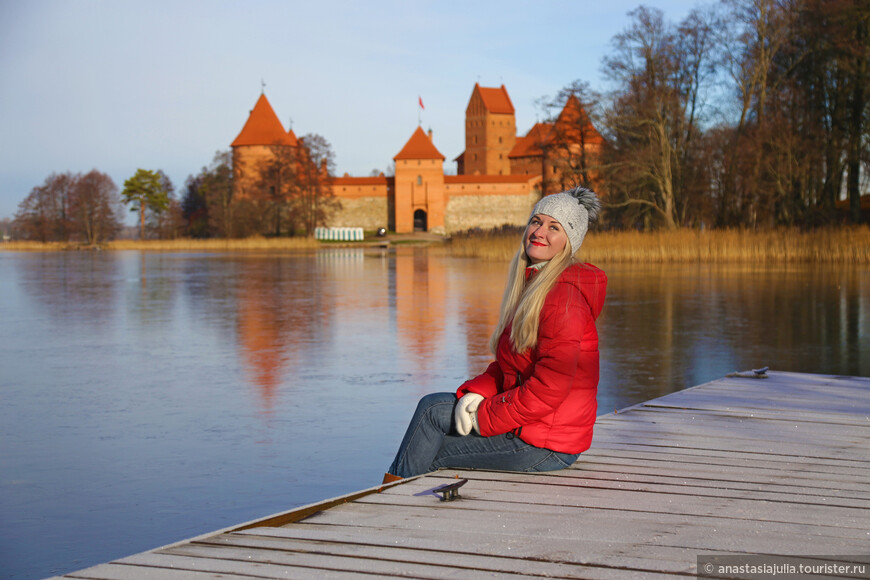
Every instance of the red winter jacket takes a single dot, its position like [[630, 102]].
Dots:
[[546, 395]]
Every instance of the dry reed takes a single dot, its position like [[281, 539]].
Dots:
[[29, 246], [177, 245], [830, 245], [840, 245], [188, 244]]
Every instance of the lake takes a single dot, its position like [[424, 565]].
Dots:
[[150, 397]]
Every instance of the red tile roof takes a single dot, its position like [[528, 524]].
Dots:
[[530, 145], [495, 100], [567, 128], [264, 128], [419, 146], [573, 119]]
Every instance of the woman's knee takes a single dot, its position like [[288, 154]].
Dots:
[[437, 409], [433, 399]]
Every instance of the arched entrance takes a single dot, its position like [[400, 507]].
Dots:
[[420, 221]]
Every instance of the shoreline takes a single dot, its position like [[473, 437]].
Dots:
[[846, 245]]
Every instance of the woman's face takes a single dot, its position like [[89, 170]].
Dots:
[[544, 238]]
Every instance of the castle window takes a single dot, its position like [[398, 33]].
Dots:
[[499, 139], [419, 180]]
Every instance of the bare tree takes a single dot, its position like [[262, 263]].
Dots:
[[573, 143], [752, 35], [654, 127], [644, 115], [216, 188], [275, 190], [95, 207], [316, 200], [833, 76], [44, 214]]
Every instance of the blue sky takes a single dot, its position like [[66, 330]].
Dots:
[[117, 85]]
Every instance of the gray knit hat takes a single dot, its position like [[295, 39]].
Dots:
[[575, 209]]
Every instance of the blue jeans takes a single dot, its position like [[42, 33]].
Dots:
[[431, 442]]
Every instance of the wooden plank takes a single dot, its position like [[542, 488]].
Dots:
[[559, 558], [623, 529], [572, 485], [505, 513], [727, 475], [742, 505], [621, 477], [274, 562], [635, 534], [797, 445], [455, 543], [681, 422], [609, 445], [115, 571], [382, 560], [779, 459], [811, 468], [809, 471], [662, 412]]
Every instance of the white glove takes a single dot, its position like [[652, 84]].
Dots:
[[465, 413]]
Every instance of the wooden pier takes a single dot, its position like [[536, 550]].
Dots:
[[778, 465]]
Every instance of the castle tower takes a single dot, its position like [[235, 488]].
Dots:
[[418, 198], [256, 143], [490, 132]]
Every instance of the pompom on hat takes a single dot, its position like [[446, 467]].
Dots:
[[574, 208]]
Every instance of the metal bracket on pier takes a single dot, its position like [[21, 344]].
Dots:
[[450, 491], [753, 374]]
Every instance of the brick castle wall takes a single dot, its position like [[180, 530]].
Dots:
[[488, 211], [368, 213]]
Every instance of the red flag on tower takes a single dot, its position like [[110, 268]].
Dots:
[[421, 102]]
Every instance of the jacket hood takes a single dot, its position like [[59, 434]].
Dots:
[[592, 283]]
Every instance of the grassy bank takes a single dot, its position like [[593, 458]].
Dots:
[[841, 245]]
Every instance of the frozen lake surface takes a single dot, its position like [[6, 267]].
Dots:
[[147, 397]]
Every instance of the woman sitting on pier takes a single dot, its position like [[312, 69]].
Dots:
[[534, 407]]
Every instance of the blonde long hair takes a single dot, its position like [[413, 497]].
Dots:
[[522, 302]]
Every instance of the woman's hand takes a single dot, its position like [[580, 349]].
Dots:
[[465, 413]]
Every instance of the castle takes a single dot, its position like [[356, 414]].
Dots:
[[500, 175]]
